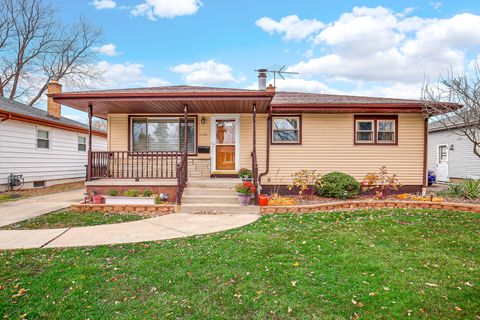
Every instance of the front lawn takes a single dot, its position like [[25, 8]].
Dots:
[[68, 219], [389, 264]]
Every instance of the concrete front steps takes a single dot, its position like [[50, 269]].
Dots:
[[216, 195]]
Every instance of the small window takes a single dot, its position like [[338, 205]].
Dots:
[[286, 130], [376, 129], [82, 143], [386, 131], [365, 131], [43, 139], [442, 153]]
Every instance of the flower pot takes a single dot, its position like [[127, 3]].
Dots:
[[129, 200], [244, 199], [263, 200], [97, 199], [247, 179]]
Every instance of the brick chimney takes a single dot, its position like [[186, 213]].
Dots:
[[53, 108], [270, 88]]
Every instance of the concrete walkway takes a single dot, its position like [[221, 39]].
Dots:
[[160, 228], [15, 211]]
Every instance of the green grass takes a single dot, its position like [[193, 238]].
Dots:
[[384, 264], [67, 218], [9, 197]]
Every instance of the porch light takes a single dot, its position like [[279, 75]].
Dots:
[[202, 121]]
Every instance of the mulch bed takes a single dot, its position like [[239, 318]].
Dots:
[[25, 193]]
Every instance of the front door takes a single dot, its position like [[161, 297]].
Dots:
[[442, 163], [225, 143]]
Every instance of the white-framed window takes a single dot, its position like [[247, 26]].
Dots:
[[286, 130], [376, 129], [82, 143], [43, 139], [364, 131], [162, 134], [386, 131]]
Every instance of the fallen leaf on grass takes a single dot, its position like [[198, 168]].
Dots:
[[431, 284], [458, 308], [20, 293]]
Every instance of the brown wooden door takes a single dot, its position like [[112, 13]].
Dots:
[[225, 145]]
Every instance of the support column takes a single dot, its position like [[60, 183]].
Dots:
[[185, 138], [254, 154], [89, 167]]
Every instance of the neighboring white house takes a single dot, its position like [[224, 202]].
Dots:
[[42, 146], [451, 155]]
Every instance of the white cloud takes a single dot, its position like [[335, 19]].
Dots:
[[436, 5], [124, 75], [104, 4], [376, 44], [74, 117], [108, 49], [396, 90], [292, 26], [206, 73], [166, 8]]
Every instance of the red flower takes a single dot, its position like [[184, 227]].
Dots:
[[250, 185]]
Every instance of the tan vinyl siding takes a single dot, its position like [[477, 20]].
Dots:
[[327, 145], [246, 140], [117, 132]]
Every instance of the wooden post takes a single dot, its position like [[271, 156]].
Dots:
[[90, 114], [254, 154], [185, 138]]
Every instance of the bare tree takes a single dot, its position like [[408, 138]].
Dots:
[[36, 47], [444, 99]]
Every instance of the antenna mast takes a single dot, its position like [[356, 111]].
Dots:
[[277, 71]]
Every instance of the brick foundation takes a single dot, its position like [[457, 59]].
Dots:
[[199, 168], [143, 210], [356, 205]]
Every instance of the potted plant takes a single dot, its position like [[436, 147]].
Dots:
[[245, 174], [245, 191], [132, 196]]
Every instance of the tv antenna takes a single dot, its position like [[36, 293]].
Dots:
[[276, 71]]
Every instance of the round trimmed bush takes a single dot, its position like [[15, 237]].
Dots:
[[338, 185]]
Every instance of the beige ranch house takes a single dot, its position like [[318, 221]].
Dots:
[[272, 132]]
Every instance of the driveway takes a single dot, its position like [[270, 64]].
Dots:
[[15, 211], [170, 226]]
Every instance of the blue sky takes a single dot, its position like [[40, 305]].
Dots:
[[380, 48]]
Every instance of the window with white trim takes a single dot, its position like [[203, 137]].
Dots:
[[43, 139], [82, 143], [364, 131], [285, 129]]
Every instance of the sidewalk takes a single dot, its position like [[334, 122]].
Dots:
[[15, 211], [159, 228]]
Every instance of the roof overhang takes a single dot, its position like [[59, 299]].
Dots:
[[105, 103], [4, 115]]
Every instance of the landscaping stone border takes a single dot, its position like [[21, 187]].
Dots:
[[145, 210], [356, 205]]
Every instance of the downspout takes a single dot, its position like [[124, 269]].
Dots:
[[267, 161], [425, 157]]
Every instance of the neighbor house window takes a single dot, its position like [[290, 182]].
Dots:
[[376, 129], [43, 139], [162, 134], [82, 143], [286, 129]]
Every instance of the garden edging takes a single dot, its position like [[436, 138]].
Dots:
[[354, 205], [146, 210]]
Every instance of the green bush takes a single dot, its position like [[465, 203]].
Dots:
[[467, 189], [132, 193], [112, 193], [147, 193], [338, 185]]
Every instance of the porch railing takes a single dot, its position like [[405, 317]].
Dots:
[[134, 165]]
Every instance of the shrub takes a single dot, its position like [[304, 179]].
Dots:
[[303, 180], [452, 190], [471, 188], [381, 182], [132, 193], [338, 185], [147, 193], [245, 173], [112, 193]]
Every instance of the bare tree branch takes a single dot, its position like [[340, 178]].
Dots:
[[442, 101]]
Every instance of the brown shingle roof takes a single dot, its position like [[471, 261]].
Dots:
[[292, 98]]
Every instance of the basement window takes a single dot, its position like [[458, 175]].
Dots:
[[39, 184]]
